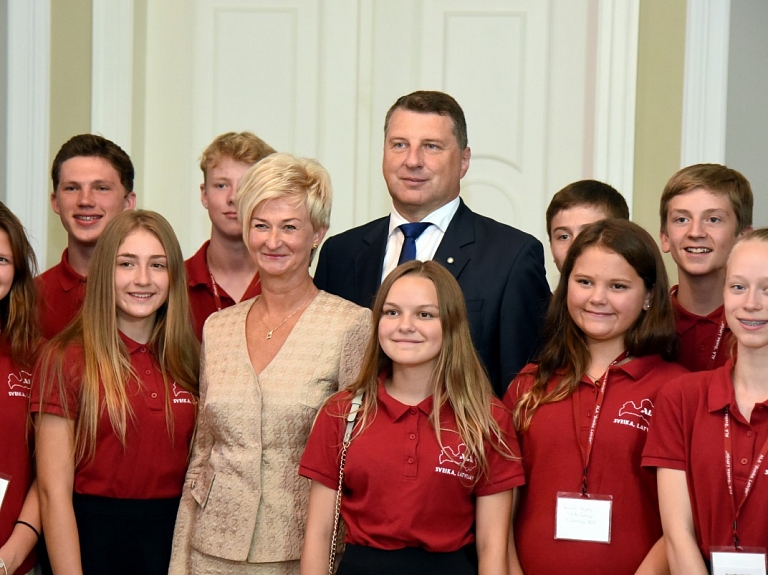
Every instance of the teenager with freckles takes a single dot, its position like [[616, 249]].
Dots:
[[582, 411], [114, 403], [433, 457], [710, 436]]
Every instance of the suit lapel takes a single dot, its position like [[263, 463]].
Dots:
[[369, 262], [455, 250]]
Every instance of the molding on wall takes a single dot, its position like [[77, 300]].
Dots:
[[705, 87], [616, 94], [29, 61], [112, 71]]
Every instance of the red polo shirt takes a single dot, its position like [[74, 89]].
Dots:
[[687, 434], [698, 337], [152, 465], [553, 462], [15, 444], [401, 488], [61, 291], [202, 296]]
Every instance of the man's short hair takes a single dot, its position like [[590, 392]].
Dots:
[[245, 147], [432, 102], [91, 145], [716, 179], [588, 193]]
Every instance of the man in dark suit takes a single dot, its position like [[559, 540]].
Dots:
[[500, 269]]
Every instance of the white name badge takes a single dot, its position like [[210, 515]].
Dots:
[[751, 562], [4, 481], [583, 517]]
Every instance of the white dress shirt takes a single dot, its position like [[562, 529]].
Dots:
[[426, 243]]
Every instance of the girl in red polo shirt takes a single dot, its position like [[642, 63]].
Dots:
[[583, 409], [710, 436], [115, 401], [432, 462], [19, 507]]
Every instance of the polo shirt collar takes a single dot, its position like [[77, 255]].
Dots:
[[197, 271], [440, 218], [720, 393], [69, 278], [685, 320], [395, 409], [131, 346], [635, 369]]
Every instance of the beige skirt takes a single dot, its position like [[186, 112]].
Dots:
[[202, 564]]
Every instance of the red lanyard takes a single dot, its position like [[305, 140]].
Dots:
[[729, 473], [216, 298], [587, 454], [716, 347]]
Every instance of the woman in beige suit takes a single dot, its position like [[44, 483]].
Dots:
[[267, 366]]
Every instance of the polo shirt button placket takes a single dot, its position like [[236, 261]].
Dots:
[[411, 465]]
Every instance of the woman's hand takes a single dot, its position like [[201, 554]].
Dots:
[[55, 440], [317, 539], [23, 539], [514, 562], [492, 519], [677, 521]]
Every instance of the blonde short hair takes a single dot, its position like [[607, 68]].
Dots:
[[283, 176]]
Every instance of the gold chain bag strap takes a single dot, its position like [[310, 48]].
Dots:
[[357, 401]]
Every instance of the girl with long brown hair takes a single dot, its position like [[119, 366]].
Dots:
[[115, 398], [582, 411], [19, 338], [432, 461]]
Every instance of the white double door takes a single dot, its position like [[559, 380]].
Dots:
[[316, 77]]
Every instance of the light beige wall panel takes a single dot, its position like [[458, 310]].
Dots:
[[167, 183], [70, 96], [661, 63]]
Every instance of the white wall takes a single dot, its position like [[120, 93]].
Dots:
[[746, 145]]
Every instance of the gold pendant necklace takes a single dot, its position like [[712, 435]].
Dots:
[[271, 331]]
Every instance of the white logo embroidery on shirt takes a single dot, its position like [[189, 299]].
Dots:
[[634, 415], [19, 385], [181, 395], [462, 465]]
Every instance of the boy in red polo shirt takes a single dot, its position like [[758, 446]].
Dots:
[[222, 271], [705, 208], [92, 183]]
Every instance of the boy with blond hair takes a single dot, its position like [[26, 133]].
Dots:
[[705, 208], [222, 271]]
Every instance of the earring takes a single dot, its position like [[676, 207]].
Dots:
[[314, 246], [646, 306]]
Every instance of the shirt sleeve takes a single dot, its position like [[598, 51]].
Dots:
[[505, 469], [322, 455], [665, 445], [52, 395]]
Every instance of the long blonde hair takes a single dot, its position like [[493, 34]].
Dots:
[[107, 365], [459, 378]]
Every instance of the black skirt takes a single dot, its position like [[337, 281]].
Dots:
[[360, 560], [125, 536]]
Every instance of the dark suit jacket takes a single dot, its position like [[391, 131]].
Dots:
[[500, 269]]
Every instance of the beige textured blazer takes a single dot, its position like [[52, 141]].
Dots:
[[243, 499]]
